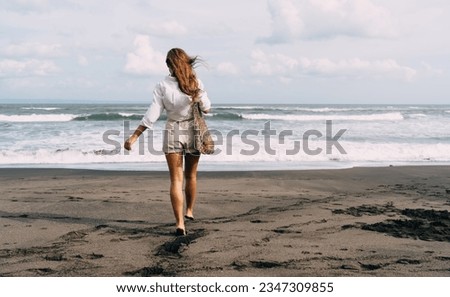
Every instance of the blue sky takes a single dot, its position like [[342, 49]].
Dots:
[[257, 51]]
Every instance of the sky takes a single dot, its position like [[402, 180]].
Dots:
[[255, 51]]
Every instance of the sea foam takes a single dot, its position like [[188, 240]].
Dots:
[[394, 116], [37, 118]]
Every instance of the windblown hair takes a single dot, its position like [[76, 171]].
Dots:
[[182, 67]]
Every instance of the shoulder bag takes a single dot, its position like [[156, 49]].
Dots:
[[203, 139]]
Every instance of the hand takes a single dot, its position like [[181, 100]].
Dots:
[[127, 145]]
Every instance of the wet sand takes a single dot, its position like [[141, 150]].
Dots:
[[391, 221]]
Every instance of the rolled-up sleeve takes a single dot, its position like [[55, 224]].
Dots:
[[206, 103], [156, 108]]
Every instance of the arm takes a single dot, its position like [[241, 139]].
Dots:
[[205, 103], [132, 139], [151, 116]]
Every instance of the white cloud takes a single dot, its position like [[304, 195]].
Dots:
[[286, 67], [261, 63], [274, 64], [431, 71], [38, 6], [27, 5], [286, 21], [322, 43], [227, 68], [316, 19], [31, 67], [360, 18], [33, 49], [145, 60], [162, 29], [82, 60]]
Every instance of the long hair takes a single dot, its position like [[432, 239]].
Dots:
[[182, 67]]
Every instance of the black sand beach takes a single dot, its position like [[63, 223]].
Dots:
[[391, 221]]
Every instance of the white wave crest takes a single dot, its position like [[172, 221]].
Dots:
[[37, 118], [41, 108], [394, 116], [291, 108], [417, 116], [126, 114]]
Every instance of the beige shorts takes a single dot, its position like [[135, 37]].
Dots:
[[179, 137]]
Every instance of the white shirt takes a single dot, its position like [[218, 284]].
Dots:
[[168, 96]]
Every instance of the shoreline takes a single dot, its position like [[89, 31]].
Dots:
[[31, 167], [360, 221], [208, 166]]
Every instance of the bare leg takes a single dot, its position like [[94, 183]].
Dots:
[[190, 175], [175, 164]]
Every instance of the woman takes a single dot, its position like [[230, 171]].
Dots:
[[175, 94]]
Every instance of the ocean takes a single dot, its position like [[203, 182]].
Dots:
[[248, 136]]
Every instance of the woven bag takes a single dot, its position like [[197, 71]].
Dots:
[[203, 139]]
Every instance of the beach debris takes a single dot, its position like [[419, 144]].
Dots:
[[443, 258], [43, 271], [370, 210], [146, 271], [238, 265], [348, 267], [105, 152], [285, 230], [94, 256], [423, 224], [73, 235], [266, 264], [371, 266], [55, 257], [407, 261], [258, 221]]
